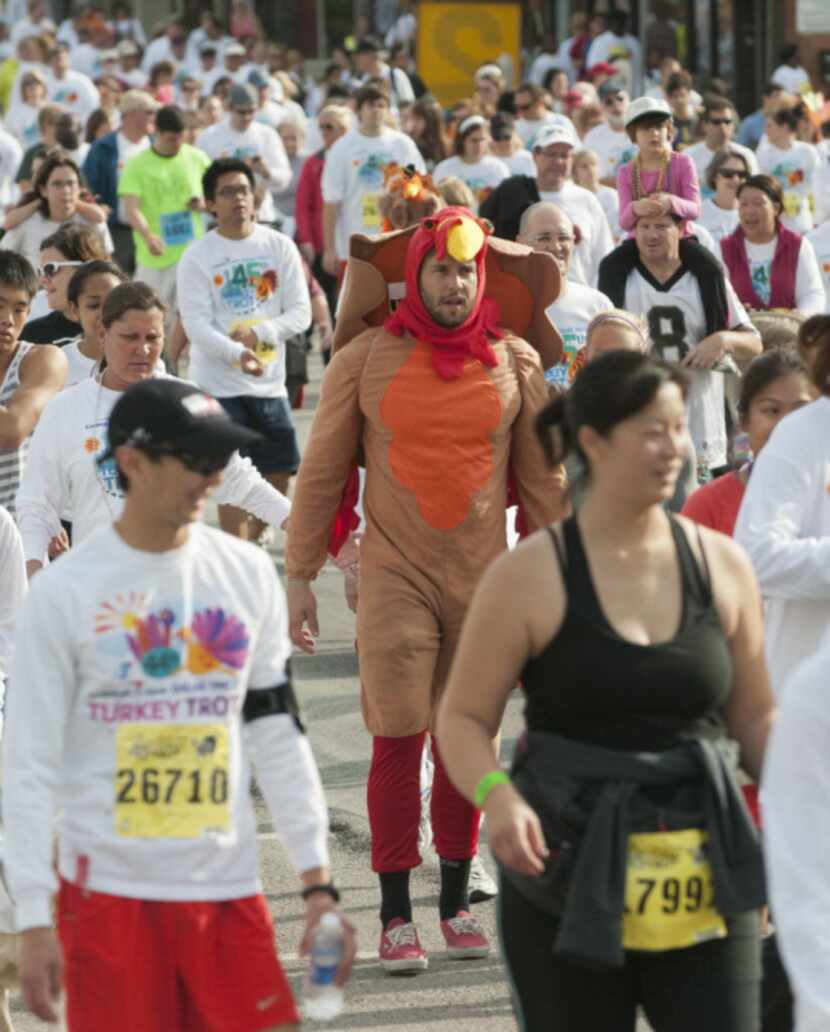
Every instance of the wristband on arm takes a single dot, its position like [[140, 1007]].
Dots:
[[486, 786]]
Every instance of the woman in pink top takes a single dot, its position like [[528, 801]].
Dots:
[[658, 180], [775, 384]]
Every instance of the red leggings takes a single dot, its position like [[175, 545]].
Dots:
[[394, 802]]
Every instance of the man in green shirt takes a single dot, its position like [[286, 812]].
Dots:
[[161, 188]]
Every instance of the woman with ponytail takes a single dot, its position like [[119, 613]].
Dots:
[[636, 637]]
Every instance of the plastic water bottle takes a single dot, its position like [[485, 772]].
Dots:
[[322, 999]]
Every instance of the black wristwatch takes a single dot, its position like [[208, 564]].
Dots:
[[328, 888]]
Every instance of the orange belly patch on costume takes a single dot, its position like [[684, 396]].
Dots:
[[442, 448]]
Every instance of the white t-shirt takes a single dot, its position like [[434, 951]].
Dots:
[[482, 177], [21, 122], [794, 169], [570, 314], [794, 80], [353, 178], [520, 163], [702, 156], [26, 238], [820, 240], [719, 221], [596, 240], [131, 670], [528, 128], [784, 525], [622, 51], [258, 141], [76, 92], [224, 285], [62, 475], [609, 201], [11, 154], [80, 367], [13, 579], [810, 298], [675, 311], [543, 64], [612, 147]]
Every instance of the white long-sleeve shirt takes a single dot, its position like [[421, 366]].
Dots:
[[257, 141], [796, 804], [130, 673], [784, 525], [62, 475], [223, 285], [13, 590]]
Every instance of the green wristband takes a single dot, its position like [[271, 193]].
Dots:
[[487, 784]]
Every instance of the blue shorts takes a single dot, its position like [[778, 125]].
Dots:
[[272, 418]]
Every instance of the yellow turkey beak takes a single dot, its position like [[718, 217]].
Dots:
[[465, 240]]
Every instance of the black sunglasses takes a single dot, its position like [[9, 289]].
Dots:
[[204, 465], [730, 173]]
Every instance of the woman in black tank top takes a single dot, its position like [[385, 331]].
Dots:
[[631, 872]]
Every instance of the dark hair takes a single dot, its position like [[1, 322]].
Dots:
[[97, 267], [612, 388], [534, 91], [789, 116], [169, 119], [160, 68], [432, 143], [375, 89], [338, 91], [550, 75], [719, 160], [98, 118], [55, 159], [460, 138], [772, 87], [767, 185], [714, 102], [76, 243], [764, 370], [787, 52], [678, 81], [128, 296], [617, 22], [222, 167], [16, 271], [814, 336], [48, 115]]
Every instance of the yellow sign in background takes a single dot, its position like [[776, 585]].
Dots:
[[456, 39]]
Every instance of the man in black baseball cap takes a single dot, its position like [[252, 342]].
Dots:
[[166, 418]]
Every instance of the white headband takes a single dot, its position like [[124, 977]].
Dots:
[[471, 122]]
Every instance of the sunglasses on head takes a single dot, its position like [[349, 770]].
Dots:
[[730, 173], [50, 269]]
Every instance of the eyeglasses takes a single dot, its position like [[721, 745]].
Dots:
[[50, 269], [245, 112], [230, 192], [720, 121], [731, 173], [204, 465]]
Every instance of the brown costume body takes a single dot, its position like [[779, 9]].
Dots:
[[437, 455]]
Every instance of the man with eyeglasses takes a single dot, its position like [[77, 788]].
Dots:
[[544, 227], [258, 145], [242, 294], [153, 676], [609, 140], [719, 121]]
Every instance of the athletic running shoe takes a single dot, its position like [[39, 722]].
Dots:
[[400, 950], [481, 886], [465, 937]]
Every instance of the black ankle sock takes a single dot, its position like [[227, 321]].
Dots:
[[454, 877], [394, 896]]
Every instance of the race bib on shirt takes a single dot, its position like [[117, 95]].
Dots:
[[370, 211], [669, 892], [172, 780], [177, 228]]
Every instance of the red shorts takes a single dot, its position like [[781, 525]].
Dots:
[[141, 966]]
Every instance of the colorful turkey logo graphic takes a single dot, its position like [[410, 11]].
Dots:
[[215, 641], [795, 177], [265, 284]]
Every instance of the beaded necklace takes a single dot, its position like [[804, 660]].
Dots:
[[638, 188]]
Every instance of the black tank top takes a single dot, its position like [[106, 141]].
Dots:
[[590, 684]]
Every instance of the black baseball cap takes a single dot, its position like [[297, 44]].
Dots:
[[169, 414]]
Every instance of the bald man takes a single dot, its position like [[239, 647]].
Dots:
[[545, 227]]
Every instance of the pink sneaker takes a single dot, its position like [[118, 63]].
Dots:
[[465, 937], [400, 951]]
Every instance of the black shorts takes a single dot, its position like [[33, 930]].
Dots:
[[272, 418]]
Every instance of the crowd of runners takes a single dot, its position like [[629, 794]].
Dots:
[[570, 441]]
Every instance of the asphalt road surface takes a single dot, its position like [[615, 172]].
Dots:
[[467, 996]]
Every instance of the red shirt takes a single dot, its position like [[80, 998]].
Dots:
[[308, 208], [716, 504]]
